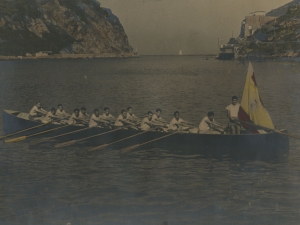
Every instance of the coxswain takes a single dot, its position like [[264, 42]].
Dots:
[[75, 119], [146, 123], [131, 117], [37, 112], [208, 125], [96, 120], [107, 116], [178, 124], [50, 116], [232, 113], [83, 115], [122, 120], [60, 112]]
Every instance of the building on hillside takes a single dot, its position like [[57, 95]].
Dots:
[[251, 23]]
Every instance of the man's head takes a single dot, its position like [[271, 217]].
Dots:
[[211, 115], [158, 112], [124, 113], [38, 104], [106, 111], [150, 114], [129, 110], [96, 112], [60, 107], [176, 115], [53, 110], [83, 110], [76, 112], [234, 100]]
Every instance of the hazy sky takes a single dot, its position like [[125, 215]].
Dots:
[[193, 26]]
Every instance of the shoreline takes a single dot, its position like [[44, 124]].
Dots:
[[71, 56]]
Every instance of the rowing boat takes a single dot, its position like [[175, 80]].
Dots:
[[242, 145]]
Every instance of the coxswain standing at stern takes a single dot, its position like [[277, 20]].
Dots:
[[232, 113], [36, 112]]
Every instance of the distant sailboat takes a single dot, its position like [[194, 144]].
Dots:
[[180, 52]]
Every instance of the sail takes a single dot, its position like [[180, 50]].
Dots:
[[252, 109]]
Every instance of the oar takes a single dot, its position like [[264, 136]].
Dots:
[[22, 138], [40, 125], [128, 149], [49, 138], [74, 141], [105, 145], [266, 128]]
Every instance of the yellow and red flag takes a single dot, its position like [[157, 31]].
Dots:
[[252, 109]]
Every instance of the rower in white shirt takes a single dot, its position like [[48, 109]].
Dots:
[[131, 117], [50, 116], [107, 116], [122, 120], [83, 115], [232, 113], [96, 120], [36, 112], [208, 125], [60, 112], [146, 123], [75, 119], [179, 124]]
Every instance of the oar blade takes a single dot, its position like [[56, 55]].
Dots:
[[128, 149], [98, 148], [13, 140], [65, 144]]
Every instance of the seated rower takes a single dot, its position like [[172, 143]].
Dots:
[[131, 117], [122, 120], [60, 112], [107, 116], [209, 126], [50, 116], [178, 124], [146, 123], [75, 119], [157, 117], [96, 120], [83, 115], [36, 112]]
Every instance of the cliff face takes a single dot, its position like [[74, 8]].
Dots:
[[66, 26]]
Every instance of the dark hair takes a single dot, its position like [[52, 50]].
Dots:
[[83, 108], [106, 108], [210, 113], [123, 110], [234, 97], [38, 103], [158, 110], [176, 113], [53, 109], [96, 110], [129, 108], [149, 112], [76, 110], [59, 105]]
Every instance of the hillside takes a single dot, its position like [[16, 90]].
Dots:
[[60, 26]]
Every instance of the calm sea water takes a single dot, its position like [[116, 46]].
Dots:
[[148, 186]]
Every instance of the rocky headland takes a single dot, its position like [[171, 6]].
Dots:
[[60, 29]]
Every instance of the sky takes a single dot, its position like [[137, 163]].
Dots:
[[163, 27]]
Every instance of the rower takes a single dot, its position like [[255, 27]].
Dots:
[[82, 114], [157, 117], [107, 116], [50, 116], [36, 112], [122, 120], [232, 113], [96, 119], [60, 112], [131, 117], [177, 123], [208, 125], [75, 119], [146, 123]]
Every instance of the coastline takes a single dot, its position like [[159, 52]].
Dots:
[[71, 56]]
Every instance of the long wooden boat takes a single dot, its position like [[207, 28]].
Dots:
[[243, 145]]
